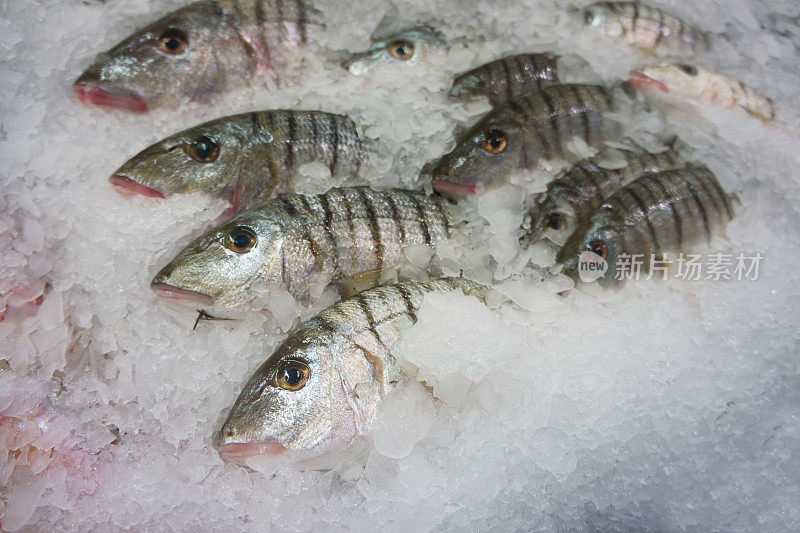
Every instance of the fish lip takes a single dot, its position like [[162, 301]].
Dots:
[[238, 452], [90, 93], [128, 187], [456, 190], [639, 80], [171, 292]]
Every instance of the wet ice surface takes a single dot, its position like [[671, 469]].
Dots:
[[670, 405]]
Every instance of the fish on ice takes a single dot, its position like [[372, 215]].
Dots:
[[507, 77], [314, 400], [409, 46], [245, 159]]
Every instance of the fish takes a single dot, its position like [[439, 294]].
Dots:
[[408, 46], [702, 87], [315, 398], [197, 53], [348, 234], [583, 187], [521, 132], [671, 211], [245, 159], [507, 77], [644, 26]]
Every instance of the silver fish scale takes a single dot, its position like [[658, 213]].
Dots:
[[508, 77]]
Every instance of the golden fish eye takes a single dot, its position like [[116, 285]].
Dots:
[[240, 240], [600, 248], [555, 221], [402, 50], [495, 142], [203, 150], [173, 42], [292, 376]]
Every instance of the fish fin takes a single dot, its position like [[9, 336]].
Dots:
[[352, 285]]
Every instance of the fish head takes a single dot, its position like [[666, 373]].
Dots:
[[205, 159], [483, 158], [594, 241], [678, 79], [222, 266], [551, 220], [409, 46], [166, 62], [602, 18], [466, 84], [294, 405]]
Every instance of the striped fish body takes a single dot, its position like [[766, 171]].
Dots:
[[198, 52], [296, 240], [249, 157], [667, 212], [317, 395], [580, 190], [523, 131], [507, 77], [644, 26]]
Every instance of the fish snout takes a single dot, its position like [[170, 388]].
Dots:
[[238, 452], [128, 187], [455, 190], [169, 292], [90, 93], [638, 80]]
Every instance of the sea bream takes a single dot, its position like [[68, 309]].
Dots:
[[315, 398], [198, 52], [582, 188], [644, 26], [294, 241], [408, 47], [700, 86], [245, 159], [521, 132], [507, 77], [668, 212]]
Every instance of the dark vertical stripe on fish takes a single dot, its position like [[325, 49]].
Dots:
[[401, 230], [507, 78], [676, 216], [635, 18], [643, 208], [422, 222], [720, 193], [548, 102], [408, 301], [583, 113], [334, 131], [312, 119], [326, 223], [292, 125], [700, 206], [372, 220]]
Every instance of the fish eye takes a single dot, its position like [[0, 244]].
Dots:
[[240, 240], [292, 376], [173, 42], [688, 69], [203, 150], [555, 221], [402, 50], [600, 248], [588, 17], [495, 142]]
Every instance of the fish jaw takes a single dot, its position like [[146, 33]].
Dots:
[[639, 80], [239, 452], [128, 188], [456, 190], [91, 94], [169, 292]]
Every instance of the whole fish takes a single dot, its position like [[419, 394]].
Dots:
[[409, 46], [507, 77], [522, 131], [702, 86], [583, 187], [245, 159], [315, 399], [656, 214], [198, 52], [644, 26], [296, 240]]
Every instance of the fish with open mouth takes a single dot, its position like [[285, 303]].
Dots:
[[644, 26], [657, 214], [408, 46], [683, 82], [314, 400], [245, 159], [198, 52], [583, 187], [507, 77], [346, 234], [521, 132]]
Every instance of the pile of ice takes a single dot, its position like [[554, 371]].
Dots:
[[670, 405]]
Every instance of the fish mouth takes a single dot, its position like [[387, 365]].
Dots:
[[238, 452], [90, 94], [456, 190], [173, 293], [127, 187], [639, 80]]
